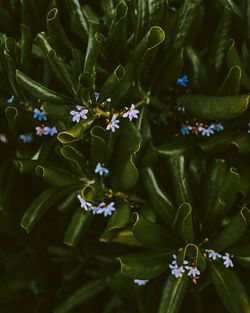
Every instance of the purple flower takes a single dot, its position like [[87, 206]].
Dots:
[[113, 123], [183, 81], [213, 255], [176, 270], [141, 282], [84, 204], [50, 131], [248, 129], [101, 170], [40, 115], [11, 100], [227, 260], [206, 131], [131, 113], [105, 209], [26, 138], [185, 129], [193, 271], [81, 113]]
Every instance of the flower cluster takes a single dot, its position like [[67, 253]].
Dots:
[[46, 131], [40, 115], [178, 271], [212, 255], [102, 208], [200, 129], [113, 123]]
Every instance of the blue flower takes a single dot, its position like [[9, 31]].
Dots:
[[101, 170], [40, 115], [206, 131], [81, 113], [11, 100], [113, 123], [176, 270], [248, 129], [131, 113], [227, 260], [87, 206], [50, 131], [183, 81], [193, 271], [141, 282], [105, 209], [217, 127], [26, 138], [185, 129], [213, 255]]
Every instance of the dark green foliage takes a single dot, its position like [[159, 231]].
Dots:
[[173, 194]]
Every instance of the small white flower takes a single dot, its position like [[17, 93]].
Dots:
[[101, 170], [84, 204], [80, 114], [105, 209], [113, 123], [193, 271], [131, 113], [3, 138], [227, 260], [213, 255], [206, 131], [178, 271], [39, 131], [141, 282]]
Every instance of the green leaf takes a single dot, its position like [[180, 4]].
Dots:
[[230, 289], [75, 158], [144, 265], [38, 90], [57, 35], [94, 44], [153, 236], [76, 132], [85, 293], [41, 205], [161, 202], [98, 145], [231, 84], [26, 48], [232, 232], [173, 294], [213, 108], [56, 176], [242, 247], [183, 223], [119, 220], [79, 223], [233, 59]]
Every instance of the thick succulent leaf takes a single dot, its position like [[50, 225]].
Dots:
[[153, 236], [183, 223], [177, 146], [82, 295], [231, 6], [38, 90], [26, 48], [214, 108], [231, 84], [144, 265], [125, 236], [242, 247], [75, 157], [173, 294], [230, 289], [57, 35], [119, 219], [76, 132], [225, 199], [233, 59], [125, 173], [160, 201], [232, 232], [178, 171], [41, 205], [56, 176], [78, 225]]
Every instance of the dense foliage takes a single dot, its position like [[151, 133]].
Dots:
[[124, 156]]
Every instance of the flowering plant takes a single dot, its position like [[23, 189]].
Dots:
[[124, 136]]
